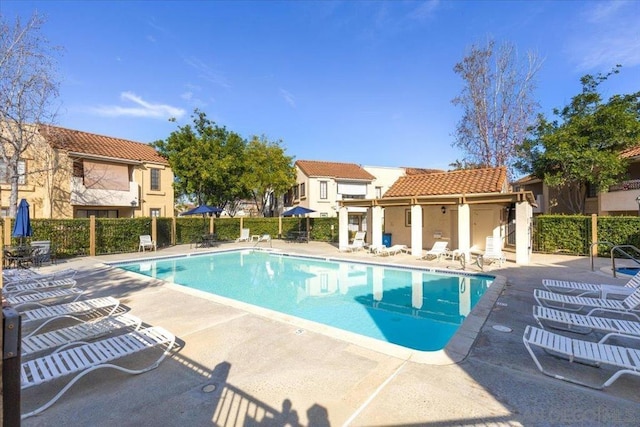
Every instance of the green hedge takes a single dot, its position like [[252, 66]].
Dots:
[[572, 233], [70, 237], [562, 233]]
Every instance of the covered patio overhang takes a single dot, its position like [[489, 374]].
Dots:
[[461, 226]]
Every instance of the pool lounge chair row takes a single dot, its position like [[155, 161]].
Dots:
[[72, 339], [615, 318]]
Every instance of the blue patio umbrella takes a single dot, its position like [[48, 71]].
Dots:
[[202, 209], [298, 210], [22, 227]]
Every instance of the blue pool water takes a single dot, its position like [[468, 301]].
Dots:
[[631, 271], [412, 308]]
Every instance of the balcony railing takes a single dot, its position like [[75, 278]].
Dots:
[[83, 196], [633, 184]]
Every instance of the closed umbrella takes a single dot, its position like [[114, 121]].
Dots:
[[22, 227]]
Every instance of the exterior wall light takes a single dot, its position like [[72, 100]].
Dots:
[[444, 209]]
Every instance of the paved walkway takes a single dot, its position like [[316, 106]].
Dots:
[[238, 368]]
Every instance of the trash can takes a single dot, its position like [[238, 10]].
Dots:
[[386, 239]]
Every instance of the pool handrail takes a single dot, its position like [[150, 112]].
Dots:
[[591, 251], [618, 248]]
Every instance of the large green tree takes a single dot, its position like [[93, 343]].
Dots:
[[582, 146], [269, 173], [207, 161]]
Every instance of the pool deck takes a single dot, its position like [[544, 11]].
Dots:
[[240, 368]]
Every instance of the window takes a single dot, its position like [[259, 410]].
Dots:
[[295, 192], [22, 172], [154, 212], [86, 213], [323, 190], [155, 179], [302, 190], [592, 190], [378, 192]]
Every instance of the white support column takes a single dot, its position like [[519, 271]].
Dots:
[[416, 231], [464, 229], [343, 228], [524, 212], [375, 238]]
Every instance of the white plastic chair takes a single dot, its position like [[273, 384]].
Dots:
[[628, 306], [48, 314], [625, 359], [437, 251], [89, 357], [146, 243], [77, 334], [593, 289], [244, 235], [358, 242], [492, 253], [581, 324]]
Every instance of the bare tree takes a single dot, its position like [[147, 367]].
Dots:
[[498, 103], [27, 91]]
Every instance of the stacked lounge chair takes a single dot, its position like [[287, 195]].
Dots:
[[592, 289], [72, 339], [612, 317]]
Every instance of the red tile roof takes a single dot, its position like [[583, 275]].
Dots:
[[337, 170], [466, 181], [631, 152], [99, 145], [420, 171]]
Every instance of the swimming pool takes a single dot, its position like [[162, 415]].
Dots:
[[413, 308]]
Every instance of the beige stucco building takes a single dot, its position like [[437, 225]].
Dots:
[[72, 174], [461, 207]]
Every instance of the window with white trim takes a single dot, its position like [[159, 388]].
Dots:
[[323, 190], [22, 172]]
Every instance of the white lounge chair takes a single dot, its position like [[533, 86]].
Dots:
[[388, 251], [492, 253], [581, 324], [263, 238], [39, 298], [358, 242], [592, 289], [626, 359], [80, 333], [73, 310], [628, 306], [146, 243], [14, 276], [89, 357], [15, 289], [244, 235], [438, 250]]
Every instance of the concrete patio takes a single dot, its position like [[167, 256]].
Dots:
[[239, 368]]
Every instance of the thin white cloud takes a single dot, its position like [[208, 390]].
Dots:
[[151, 38], [288, 97], [608, 35], [207, 73], [142, 108], [425, 10]]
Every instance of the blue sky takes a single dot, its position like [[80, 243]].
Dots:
[[353, 81]]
